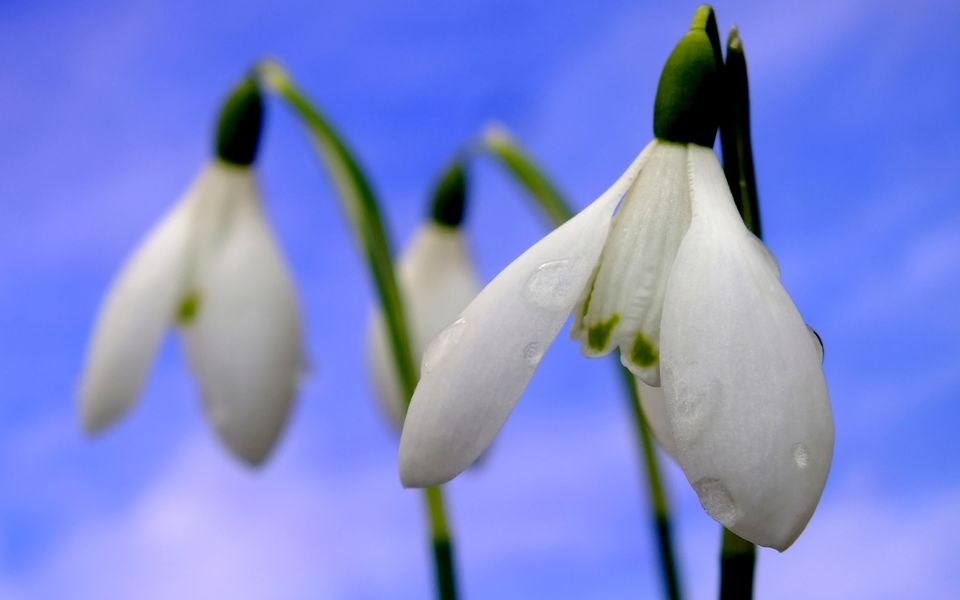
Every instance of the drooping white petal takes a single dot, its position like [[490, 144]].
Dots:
[[655, 411], [475, 370], [138, 309], [625, 300], [245, 343], [743, 386], [437, 281]]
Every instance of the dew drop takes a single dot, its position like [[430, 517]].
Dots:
[[533, 352], [801, 455], [549, 286], [440, 346], [688, 420], [716, 500]]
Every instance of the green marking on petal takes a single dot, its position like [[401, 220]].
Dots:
[[598, 335], [586, 301], [189, 308], [643, 354]]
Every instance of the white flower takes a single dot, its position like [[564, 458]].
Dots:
[[213, 267], [437, 281], [694, 302]]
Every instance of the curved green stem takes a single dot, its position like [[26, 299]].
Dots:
[[498, 143], [358, 201]]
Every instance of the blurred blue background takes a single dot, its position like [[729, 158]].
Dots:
[[106, 113]]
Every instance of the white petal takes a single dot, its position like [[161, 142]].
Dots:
[[474, 372], [245, 343], [744, 390], [437, 281], [138, 309], [655, 411], [624, 305]]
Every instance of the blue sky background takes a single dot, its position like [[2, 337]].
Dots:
[[106, 110]]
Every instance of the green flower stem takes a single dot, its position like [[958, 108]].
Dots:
[[738, 556], [359, 203], [442, 545], [737, 562], [661, 511], [357, 199], [500, 145]]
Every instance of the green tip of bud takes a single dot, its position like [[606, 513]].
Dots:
[[733, 40], [241, 119], [687, 108], [706, 20], [449, 197]]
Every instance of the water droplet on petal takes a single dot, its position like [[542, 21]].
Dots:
[[716, 500], [549, 286], [440, 346], [533, 352], [801, 455], [688, 420]]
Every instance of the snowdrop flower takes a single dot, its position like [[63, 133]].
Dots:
[[213, 268], [692, 300], [437, 280]]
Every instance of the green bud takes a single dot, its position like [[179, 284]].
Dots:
[[241, 119], [449, 197], [687, 108]]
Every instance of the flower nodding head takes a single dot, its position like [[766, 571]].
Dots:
[[687, 108], [240, 123]]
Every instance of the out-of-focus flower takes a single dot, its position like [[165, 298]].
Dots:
[[437, 280], [694, 302], [212, 268]]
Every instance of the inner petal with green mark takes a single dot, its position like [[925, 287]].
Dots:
[[189, 308], [621, 306]]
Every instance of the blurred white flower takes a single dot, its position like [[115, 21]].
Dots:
[[211, 266], [694, 303]]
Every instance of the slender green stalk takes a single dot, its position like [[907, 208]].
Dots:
[[737, 563], [358, 201], [441, 541], [501, 146], [661, 512], [498, 142], [738, 556]]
